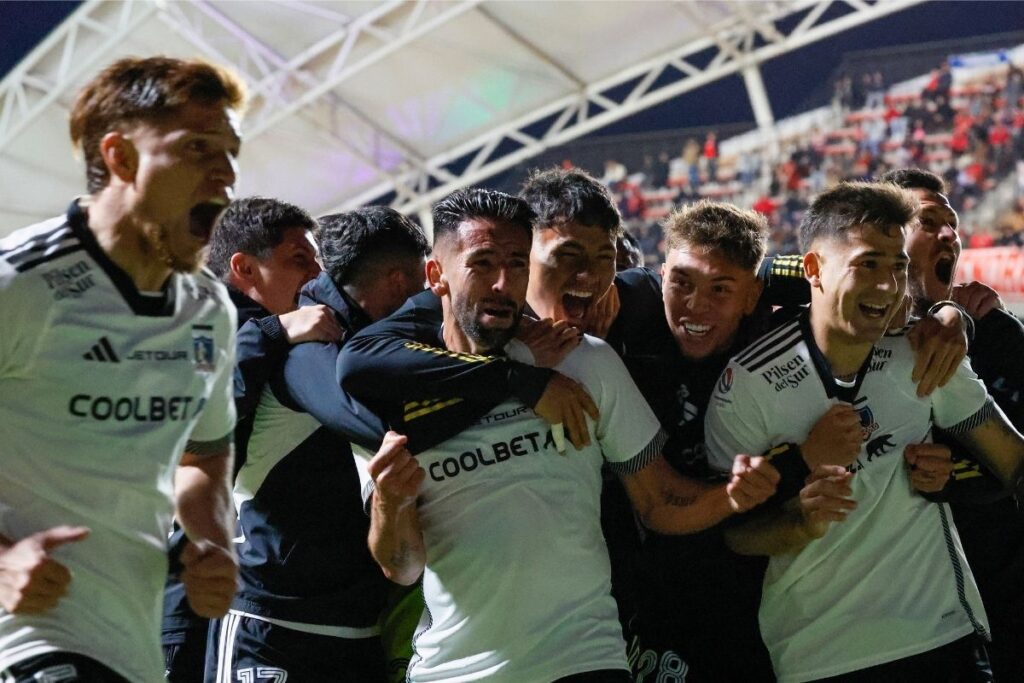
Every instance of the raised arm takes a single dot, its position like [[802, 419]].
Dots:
[[670, 503], [395, 539]]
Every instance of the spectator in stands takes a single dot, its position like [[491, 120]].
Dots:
[[710, 153]]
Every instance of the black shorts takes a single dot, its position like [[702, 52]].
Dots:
[[65, 667], [252, 649], [184, 654]]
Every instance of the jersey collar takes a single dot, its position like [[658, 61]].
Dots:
[[824, 368]]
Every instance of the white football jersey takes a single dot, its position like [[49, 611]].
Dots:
[[100, 389], [517, 581], [891, 581]]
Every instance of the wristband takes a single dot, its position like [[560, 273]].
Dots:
[[968, 320]]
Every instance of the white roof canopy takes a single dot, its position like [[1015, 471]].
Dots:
[[400, 99]]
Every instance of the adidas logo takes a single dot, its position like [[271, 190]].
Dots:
[[102, 351]]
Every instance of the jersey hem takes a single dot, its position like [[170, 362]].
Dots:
[[877, 659]]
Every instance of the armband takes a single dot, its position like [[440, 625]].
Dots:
[[968, 320], [788, 459]]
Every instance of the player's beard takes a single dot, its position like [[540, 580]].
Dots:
[[490, 338], [155, 239]]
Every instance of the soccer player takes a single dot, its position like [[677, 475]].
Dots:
[[505, 530], [987, 518], [262, 251], [115, 371], [310, 593], [885, 594]]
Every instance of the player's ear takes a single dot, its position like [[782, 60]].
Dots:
[[436, 280], [119, 155], [812, 268], [243, 270]]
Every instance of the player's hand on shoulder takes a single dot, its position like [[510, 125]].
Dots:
[[550, 342], [31, 580], [397, 476], [940, 343], [602, 314], [826, 497], [835, 439], [311, 323], [977, 298], [931, 465], [753, 482], [567, 403], [210, 577]]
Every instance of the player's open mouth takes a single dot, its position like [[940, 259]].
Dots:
[[876, 311], [944, 268], [575, 303], [203, 217], [695, 330], [499, 311]]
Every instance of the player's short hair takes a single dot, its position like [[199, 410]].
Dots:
[[356, 245], [559, 196], [477, 203], [134, 89], [836, 211], [629, 247], [253, 226], [913, 179], [739, 235]]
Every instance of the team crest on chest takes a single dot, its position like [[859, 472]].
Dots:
[[868, 424], [203, 349]]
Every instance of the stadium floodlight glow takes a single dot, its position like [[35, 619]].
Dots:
[[575, 115]]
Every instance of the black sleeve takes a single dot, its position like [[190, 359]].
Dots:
[[996, 356], [259, 347], [398, 369], [784, 282]]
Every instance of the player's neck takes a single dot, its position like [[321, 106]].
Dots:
[[120, 236], [844, 354]]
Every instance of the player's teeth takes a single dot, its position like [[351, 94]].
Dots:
[[696, 329], [579, 293]]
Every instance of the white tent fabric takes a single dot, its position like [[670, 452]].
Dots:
[[403, 100]]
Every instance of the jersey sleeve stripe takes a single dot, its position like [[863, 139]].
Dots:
[[766, 341], [765, 354], [983, 414], [642, 459], [49, 256]]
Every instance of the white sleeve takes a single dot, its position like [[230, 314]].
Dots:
[[218, 416], [735, 422], [362, 457], [627, 429], [963, 403]]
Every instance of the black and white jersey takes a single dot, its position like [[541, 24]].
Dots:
[[854, 598], [517, 579], [102, 386]]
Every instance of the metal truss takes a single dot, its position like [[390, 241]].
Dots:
[[742, 41], [74, 49]]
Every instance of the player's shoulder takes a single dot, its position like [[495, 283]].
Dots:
[[780, 345], [29, 248]]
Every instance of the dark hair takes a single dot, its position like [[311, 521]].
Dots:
[[737, 234], [253, 226], [477, 203], [355, 245], [134, 89], [629, 246], [848, 205], [913, 179], [558, 196]]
